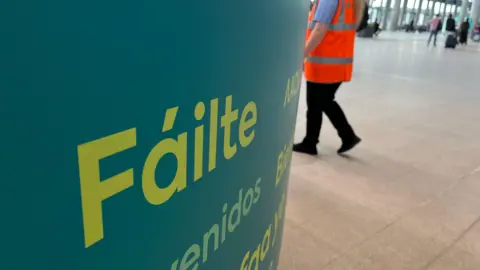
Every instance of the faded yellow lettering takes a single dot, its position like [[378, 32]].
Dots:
[[190, 258]]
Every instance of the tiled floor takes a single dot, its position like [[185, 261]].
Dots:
[[409, 195]]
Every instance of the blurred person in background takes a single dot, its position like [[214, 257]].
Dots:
[[435, 27], [450, 25], [411, 27], [376, 28], [464, 32]]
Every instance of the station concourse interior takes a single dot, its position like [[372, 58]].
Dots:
[[408, 197], [396, 14]]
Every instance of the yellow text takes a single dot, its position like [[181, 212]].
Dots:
[[293, 87], [253, 258], [94, 191]]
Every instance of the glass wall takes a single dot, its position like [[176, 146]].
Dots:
[[428, 10]]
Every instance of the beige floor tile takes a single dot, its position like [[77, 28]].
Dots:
[[444, 219], [301, 250], [470, 242], [391, 249], [345, 227], [415, 239], [462, 255], [457, 259], [305, 199]]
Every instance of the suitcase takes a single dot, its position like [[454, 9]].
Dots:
[[451, 41]]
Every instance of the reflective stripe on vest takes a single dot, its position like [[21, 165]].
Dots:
[[330, 60], [340, 25]]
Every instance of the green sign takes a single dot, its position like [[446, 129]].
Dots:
[[147, 134]]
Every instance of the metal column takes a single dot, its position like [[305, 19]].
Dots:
[[403, 13], [475, 12], [419, 11], [463, 11], [393, 23], [386, 11]]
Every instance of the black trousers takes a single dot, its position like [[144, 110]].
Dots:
[[434, 35], [321, 99]]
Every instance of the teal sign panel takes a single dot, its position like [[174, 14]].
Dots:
[[147, 134]]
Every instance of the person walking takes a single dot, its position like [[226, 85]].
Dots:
[[411, 27], [328, 63], [435, 27], [376, 28], [464, 32], [451, 40], [450, 25]]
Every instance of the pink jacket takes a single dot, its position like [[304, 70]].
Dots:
[[434, 24]]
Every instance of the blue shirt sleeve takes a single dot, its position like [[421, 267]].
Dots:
[[325, 11]]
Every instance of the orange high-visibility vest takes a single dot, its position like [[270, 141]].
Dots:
[[332, 60]]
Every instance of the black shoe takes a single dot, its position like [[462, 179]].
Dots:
[[349, 145], [305, 148]]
